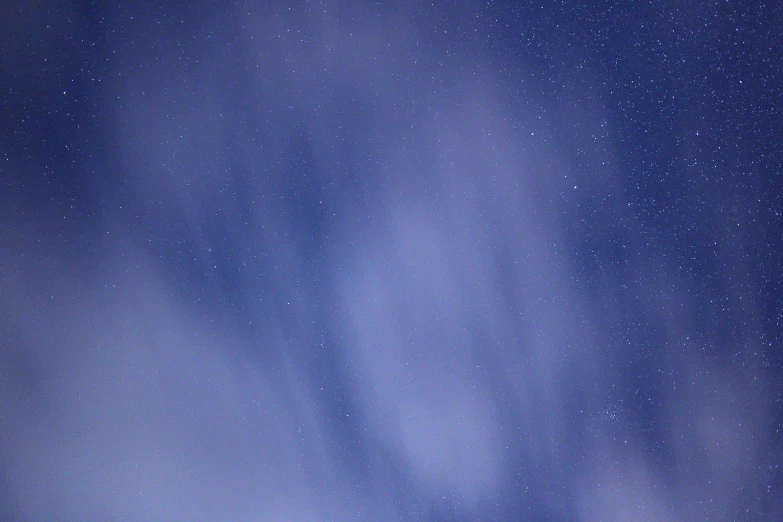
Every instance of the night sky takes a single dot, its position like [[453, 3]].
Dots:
[[336, 261]]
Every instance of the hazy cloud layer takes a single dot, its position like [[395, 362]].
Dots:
[[342, 270]]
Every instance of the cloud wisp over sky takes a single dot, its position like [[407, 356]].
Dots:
[[389, 263]]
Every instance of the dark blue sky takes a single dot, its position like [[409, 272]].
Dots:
[[322, 261]]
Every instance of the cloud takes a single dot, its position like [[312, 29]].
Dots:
[[339, 276]]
